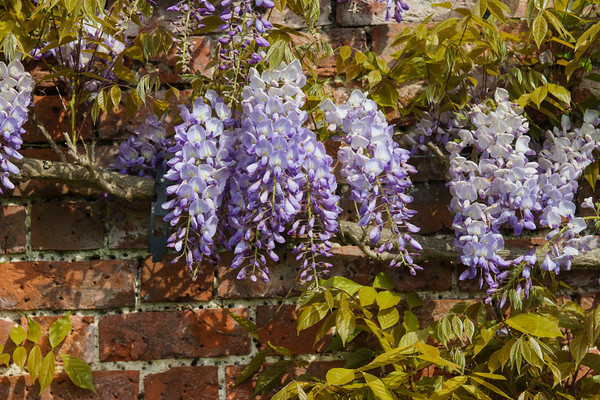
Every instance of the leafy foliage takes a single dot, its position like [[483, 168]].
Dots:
[[536, 348], [42, 368]]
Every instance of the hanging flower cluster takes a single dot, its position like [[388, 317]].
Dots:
[[507, 186], [199, 168], [282, 176], [143, 151], [258, 178], [16, 86], [377, 170]]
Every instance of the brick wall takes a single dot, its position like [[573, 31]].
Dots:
[[147, 329]]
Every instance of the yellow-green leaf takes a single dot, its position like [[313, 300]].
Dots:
[[535, 325], [388, 317], [539, 29], [34, 330], [59, 330], [18, 334], [339, 376], [366, 296], [387, 299], [19, 357], [78, 371], [345, 52], [377, 387], [34, 362], [560, 92], [46, 374]]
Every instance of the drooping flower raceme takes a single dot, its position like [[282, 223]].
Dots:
[[281, 176], [395, 8], [507, 186], [377, 170], [143, 151], [199, 168], [16, 86]]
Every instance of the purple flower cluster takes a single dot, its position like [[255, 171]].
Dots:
[[282, 176], [431, 129], [507, 186], [200, 169], [377, 170], [143, 150], [16, 86], [395, 8], [243, 24]]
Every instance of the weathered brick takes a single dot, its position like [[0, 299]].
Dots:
[[128, 224], [436, 275], [245, 389], [62, 285], [109, 385], [12, 229], [431, 201], [278, 325], [155, 335], [53, 115], [66, 226], [183, 383], [167, 281], [347, 261], [429, 168]]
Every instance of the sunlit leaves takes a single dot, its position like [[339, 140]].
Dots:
[[78, 371], [59, 330]]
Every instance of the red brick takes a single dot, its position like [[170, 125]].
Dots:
[[53, 115], [347, 261], [45, 189], [436, 275], [62, 285], [166, 334], [66, 226], [279, 327], [165, 281], [245, 389], [183, 383], [128, 224], [12, 229], [431, 201], [109, 385]]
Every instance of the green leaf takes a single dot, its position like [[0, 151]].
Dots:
[[535, 325], [344, 284], [387, 299], [59, 330], [412, 300], [252, 366], [367, 295], [490, 387], [115, 95], [19, 357], [449, 386], [377, 387], [388, 317], [245, 323], [34, 330], [345, 52], [345, 324], [5, 359], [538, 95], [79, 372], [18, 334], [339, 376], [382, 280], [411, 322], [311, 315], [46, 371], [276, 53], [591, 173], [34, 362], [271, 376], [560, 92], [579, 347], [539, 29]]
